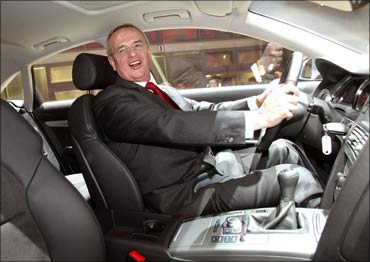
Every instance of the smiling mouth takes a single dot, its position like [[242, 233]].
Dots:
[[135, 64]]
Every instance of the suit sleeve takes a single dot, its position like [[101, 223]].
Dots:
[[128, 117], [241, 104]]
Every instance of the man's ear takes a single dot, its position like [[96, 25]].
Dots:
[[112, 62], [150, 50]]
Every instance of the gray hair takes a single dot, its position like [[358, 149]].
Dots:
[[126, 25]]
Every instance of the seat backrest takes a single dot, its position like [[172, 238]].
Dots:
[[110, 183], [43, 217]]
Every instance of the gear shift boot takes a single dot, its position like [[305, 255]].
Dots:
[[284, 216]]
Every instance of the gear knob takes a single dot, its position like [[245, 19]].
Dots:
[[288, 179]]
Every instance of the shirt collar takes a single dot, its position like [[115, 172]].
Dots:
[[141, 83], [144, 83]]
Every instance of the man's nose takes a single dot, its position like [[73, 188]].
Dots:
[[131, 51]]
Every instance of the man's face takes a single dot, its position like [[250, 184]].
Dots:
[[130, 55]]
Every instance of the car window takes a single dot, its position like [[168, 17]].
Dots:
[[13, 90], [193, 58], [53, 75]]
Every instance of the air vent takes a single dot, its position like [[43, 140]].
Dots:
[[354, 142]]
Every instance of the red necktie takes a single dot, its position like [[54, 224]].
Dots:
[[162, 95]]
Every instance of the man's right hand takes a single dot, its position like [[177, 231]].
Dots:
[[278, 105]]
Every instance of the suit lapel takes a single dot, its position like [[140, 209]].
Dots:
[[170, 91], [176, 97], [122, 82]]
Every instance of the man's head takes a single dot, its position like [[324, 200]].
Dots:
[[129, 53], [213, 82]]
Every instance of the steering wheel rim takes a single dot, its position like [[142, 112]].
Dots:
[[290, 76]]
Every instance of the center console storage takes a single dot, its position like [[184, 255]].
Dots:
[[145, 234]]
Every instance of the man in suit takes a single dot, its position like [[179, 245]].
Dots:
[[167, 145]]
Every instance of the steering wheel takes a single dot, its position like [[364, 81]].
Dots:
[[290, 76]]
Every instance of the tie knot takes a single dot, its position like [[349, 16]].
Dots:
[[151, 86]]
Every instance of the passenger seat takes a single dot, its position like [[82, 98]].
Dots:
[[43, 217]]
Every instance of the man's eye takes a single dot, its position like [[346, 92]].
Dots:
[[122, 50], [138, 46]]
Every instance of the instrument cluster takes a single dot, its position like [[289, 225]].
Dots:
[[351, 91]]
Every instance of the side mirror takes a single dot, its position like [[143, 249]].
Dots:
[[309, 70]]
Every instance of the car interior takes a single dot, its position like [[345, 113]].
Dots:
[[65, 196]]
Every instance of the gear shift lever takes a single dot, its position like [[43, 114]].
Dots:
[[284, 216], [288, 179]]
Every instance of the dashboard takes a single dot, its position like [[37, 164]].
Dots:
[[343, 97], [350, 93]]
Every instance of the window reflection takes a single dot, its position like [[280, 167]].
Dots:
[[196, 58], [13, 90]]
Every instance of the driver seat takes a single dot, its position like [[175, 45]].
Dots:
[[110, 182]]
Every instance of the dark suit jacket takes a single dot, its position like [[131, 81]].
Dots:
[[163, 146]]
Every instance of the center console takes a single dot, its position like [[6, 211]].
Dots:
[[281, 233], [226, 237]]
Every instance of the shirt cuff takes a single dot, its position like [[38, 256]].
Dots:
[[249, 120], [251, 101]]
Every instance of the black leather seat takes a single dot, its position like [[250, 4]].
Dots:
[[43, 217], [110, 183]]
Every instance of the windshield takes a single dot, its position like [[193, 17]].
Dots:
[[347, 28]]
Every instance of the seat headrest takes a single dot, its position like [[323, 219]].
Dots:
[[91, 71]]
